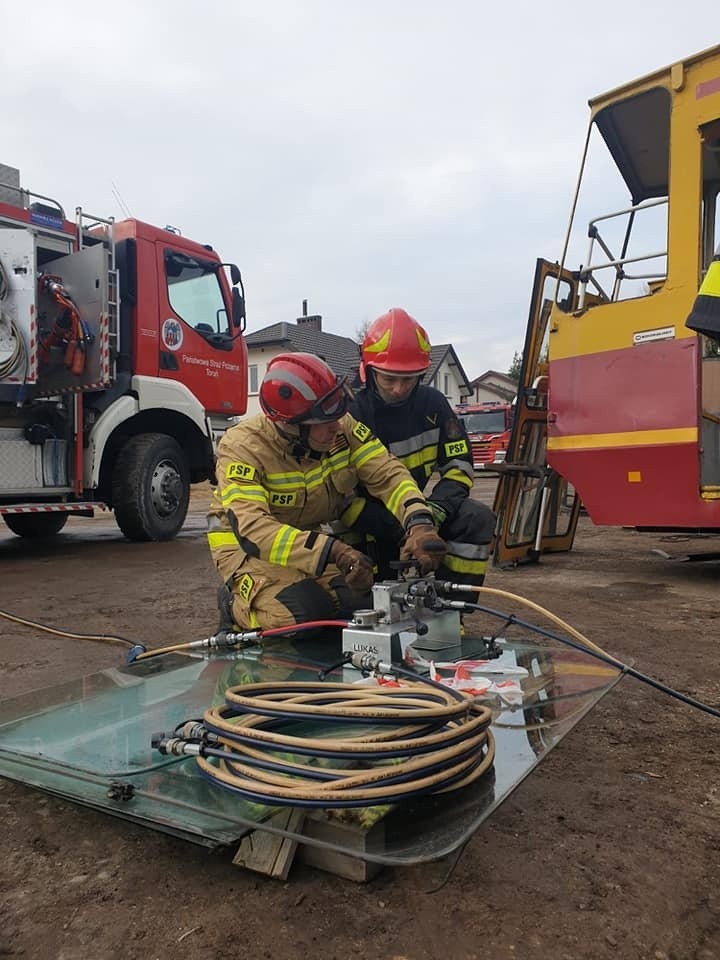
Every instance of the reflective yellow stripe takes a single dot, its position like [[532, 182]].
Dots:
[[458, 476], [461, 565], [366, 453], [710, 286], [225, 539], [633, 438], [290, 479], [353, 511], [379, 345], [231, 494], [283, 544], [402, 490], [428, 455]]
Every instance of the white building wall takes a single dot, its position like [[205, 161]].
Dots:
[[447, 380], [259, 358]]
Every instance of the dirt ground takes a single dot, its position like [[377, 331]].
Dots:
[[610, 849]]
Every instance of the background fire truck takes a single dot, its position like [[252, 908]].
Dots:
[[619, 398], [488, 429], [122, 359]]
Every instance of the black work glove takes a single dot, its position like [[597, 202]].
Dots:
[[355, 567], [423, 545]]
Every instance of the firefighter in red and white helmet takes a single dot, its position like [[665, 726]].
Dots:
[[285, 473], [416, 423]]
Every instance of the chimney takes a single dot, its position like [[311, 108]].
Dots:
[[313, 322]]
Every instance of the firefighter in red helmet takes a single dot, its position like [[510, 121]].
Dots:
[[416, 423], [284, 474]]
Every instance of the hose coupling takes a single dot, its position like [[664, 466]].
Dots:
[[134, 652]]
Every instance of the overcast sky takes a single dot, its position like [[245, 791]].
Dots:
[[360, 155]]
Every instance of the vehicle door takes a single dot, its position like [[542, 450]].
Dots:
[[198, 344], [537, 509]]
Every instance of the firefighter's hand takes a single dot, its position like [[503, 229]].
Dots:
[[423, 545], [355, 567]]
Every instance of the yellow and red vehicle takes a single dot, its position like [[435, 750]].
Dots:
[[488, 428], [619, 399], [122, 358]]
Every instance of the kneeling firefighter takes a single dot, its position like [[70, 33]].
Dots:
[[285, 473], [417, 424]]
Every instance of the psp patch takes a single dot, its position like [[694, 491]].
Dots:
[[362, 432], [245, 587], [456, 448], [239, 471], [283, 499]]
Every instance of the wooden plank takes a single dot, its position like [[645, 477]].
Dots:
[[268, 853], [351, 836]]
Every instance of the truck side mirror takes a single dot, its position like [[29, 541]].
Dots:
[[235, 274], [238, 309]]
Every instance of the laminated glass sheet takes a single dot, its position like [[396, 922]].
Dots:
[[89, 741]]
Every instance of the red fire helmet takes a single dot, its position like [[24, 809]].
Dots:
[[396, 343], [301, 388]]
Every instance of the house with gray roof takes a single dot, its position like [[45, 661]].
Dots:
[[342, 354]]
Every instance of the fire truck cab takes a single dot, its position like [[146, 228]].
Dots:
[[488, 429], [121, 359], [619, 399]]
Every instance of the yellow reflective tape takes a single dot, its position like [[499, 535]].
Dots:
[[368, 452], [282, 545], [633, 438], [284, 499], [418, 458], [353, 511], [224, 539], [634, 476], [461, 565], [455, 448], [245, 492], [239, 471], [403, 489], [459, 476], [361, 432], [288, 479], [710, 286], [379, 345], [422, 342]]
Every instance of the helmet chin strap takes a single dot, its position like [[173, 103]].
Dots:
[[298, 435]]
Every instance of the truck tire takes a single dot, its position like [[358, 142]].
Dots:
[[35, 526], [150, 487]]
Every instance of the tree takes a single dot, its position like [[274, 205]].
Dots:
[[362, 330], [515, 366]]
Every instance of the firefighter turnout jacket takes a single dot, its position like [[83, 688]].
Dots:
[[427, 436], [273, 497]]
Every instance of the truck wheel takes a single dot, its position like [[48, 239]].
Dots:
[[35, 526], [150, 487]]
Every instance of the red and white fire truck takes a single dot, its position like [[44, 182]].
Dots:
[[122, 359], [488, 428]]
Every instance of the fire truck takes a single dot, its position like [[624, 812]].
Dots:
[[619, 400], [122, 359], [488, 429]]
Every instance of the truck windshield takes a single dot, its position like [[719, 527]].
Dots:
[[194, 292], [491, 422]]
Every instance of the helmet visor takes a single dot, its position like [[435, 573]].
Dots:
[[331, 406]]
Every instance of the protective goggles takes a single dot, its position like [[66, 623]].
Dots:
[[331, 406]]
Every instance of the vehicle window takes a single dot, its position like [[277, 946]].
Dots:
[[194, 292], [619, 230], [491, 422]]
